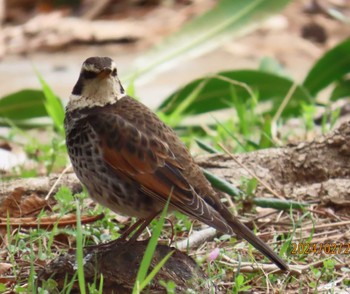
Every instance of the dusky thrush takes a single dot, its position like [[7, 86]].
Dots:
[[131, 162]]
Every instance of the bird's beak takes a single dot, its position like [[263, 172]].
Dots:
[[104, 73]]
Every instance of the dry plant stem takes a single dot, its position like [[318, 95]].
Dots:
[[249, 267], [231, 205], [250, 172], [316, 235], [69, 167], [235, 83], [196, 238], [96, 9], [322, 226], [317, 239], [330, 238], [284, 103]]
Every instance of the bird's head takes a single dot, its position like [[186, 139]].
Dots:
[[98, 84]]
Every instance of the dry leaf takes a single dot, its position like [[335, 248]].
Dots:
[[11, 203], [4, 267], [15, 206]]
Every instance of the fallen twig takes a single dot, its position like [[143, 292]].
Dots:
[[47, 222], [195, 239]]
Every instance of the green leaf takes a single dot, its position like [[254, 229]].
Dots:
[[341, 90], [27, 108], [64, 196], [53, 105], [279, 204], [227, 19], [333, 65], [271, 65], [177, 113], [22, 105], [216, 92]]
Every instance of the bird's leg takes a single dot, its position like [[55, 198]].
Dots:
[[172, 231], [130, 229], [140, 229], [122, 239]]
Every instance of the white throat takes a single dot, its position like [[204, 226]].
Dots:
[[96, 92]]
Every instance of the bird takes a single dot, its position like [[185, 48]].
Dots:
[[132, 162]]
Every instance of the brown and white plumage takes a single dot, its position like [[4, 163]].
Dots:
[[131, 162]]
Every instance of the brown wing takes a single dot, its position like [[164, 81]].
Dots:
[[151, 163]]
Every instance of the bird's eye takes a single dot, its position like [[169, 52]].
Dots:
[[89, 74], [114, 72]]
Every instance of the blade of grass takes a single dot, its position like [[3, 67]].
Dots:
[[69, 286], [230, 134], [266, 134], [177, 115], [100, 290], [9, 240], [53, 105], [253, 175], [241, 110], [189, 99], [151, 247], [156, 269], [79, 251], [31, 280]]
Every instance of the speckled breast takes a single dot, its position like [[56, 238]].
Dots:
[[104, 184]]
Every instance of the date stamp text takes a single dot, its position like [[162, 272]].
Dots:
[[318, 248]]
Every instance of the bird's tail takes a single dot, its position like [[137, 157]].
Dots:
[[243, 231]]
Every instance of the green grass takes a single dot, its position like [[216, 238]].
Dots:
[[142, 279], [79, 252]]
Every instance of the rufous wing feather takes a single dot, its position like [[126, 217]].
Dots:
[[152, 164]]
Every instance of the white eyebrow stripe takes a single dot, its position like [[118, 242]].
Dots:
[[90, 67], [113, 65]]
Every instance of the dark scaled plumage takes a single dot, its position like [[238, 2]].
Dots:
[[131, 162]]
